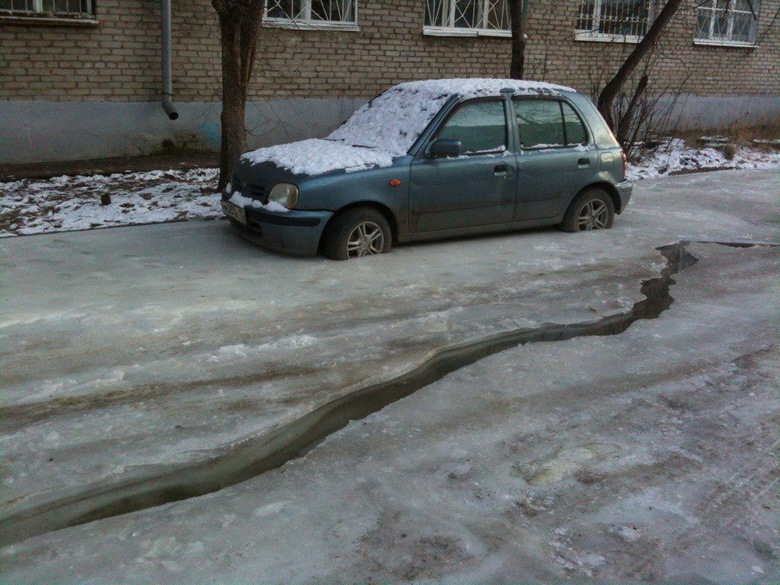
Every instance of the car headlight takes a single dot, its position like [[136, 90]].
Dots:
[[284, 194]]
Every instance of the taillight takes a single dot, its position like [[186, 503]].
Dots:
[[623, 157]]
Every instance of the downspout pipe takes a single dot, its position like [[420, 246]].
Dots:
[[167, 91]]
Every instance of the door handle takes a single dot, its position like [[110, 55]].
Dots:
[[499, 170], [583, 162]]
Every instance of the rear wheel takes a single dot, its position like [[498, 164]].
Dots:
[[357, 232], [591, 210]]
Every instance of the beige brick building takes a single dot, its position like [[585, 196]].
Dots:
[[87, 81]]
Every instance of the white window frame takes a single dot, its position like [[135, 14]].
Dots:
[[450, 30], [712, 6], [36, 14], [37, 9], [309, 23], [595, 35]]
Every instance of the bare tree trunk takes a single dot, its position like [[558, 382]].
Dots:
[[624, 134], [239, 25], [517, 17], [612, 89]]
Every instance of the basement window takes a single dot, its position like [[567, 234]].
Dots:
[[469, 18], [621, 21], [311, 14], [727, 22]]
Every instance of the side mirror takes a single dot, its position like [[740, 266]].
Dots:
[[445, 147]]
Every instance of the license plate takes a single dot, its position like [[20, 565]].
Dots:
[[234, 211]]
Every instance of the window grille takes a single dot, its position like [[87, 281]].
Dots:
[[314, 12], [732, 22], [81, 8], [467, 17], [613, 19]]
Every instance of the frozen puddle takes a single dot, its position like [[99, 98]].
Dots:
[[268, 451]]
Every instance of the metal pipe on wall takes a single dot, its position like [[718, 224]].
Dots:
[[167, 92]]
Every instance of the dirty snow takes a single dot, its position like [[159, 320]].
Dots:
[[74, 203], [675, 157]]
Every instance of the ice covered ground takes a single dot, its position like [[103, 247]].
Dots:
[[74, 203], [137, 353]]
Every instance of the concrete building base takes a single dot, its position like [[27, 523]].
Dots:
[[43, 131]]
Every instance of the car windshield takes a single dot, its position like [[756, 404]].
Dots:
[[392, 121]]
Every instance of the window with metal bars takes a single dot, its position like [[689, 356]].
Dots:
[[727, 22], [613, 20], [50, 8], [312, 13], [467, 17]]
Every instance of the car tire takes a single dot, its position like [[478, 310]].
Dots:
[[357, 232], [593, 209]]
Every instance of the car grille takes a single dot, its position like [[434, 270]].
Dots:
[[256, 192]]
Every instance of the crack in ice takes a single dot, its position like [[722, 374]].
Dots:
[[257, 455]]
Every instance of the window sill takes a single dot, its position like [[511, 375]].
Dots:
[[47, 21], [733, 44], [605, 38], [443, 31], [310, 25]]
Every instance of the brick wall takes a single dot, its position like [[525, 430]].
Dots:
[[118, 60]]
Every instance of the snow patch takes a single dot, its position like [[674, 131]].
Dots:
[[317, 156], [675, 156], [242, 201]]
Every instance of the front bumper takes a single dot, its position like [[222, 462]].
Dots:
[[295, 232], [624, 191]]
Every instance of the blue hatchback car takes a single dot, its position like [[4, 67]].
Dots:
[[434, 159]]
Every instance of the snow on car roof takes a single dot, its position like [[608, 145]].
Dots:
[[472, 87], [388, 126]]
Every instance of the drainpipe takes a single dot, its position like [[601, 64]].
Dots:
[[167, 92]]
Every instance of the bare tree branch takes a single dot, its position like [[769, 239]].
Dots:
[[612, 89]]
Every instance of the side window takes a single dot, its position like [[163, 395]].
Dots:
[[480, 126], [548, 124], [539, 123], [575, 130]]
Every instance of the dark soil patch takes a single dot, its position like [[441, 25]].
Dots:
[[108, 166]]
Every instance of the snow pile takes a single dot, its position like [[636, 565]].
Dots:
[[674, 157], [386, 127], [74, 203]]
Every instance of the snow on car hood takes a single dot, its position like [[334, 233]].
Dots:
[[387, 126], [317, 156]]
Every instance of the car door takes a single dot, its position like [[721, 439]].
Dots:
[[474, 189], [555, 157]]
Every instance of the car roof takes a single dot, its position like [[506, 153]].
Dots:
[[476, 87]]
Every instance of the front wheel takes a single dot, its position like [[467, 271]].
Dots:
[[592, 210], [357, 232]]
